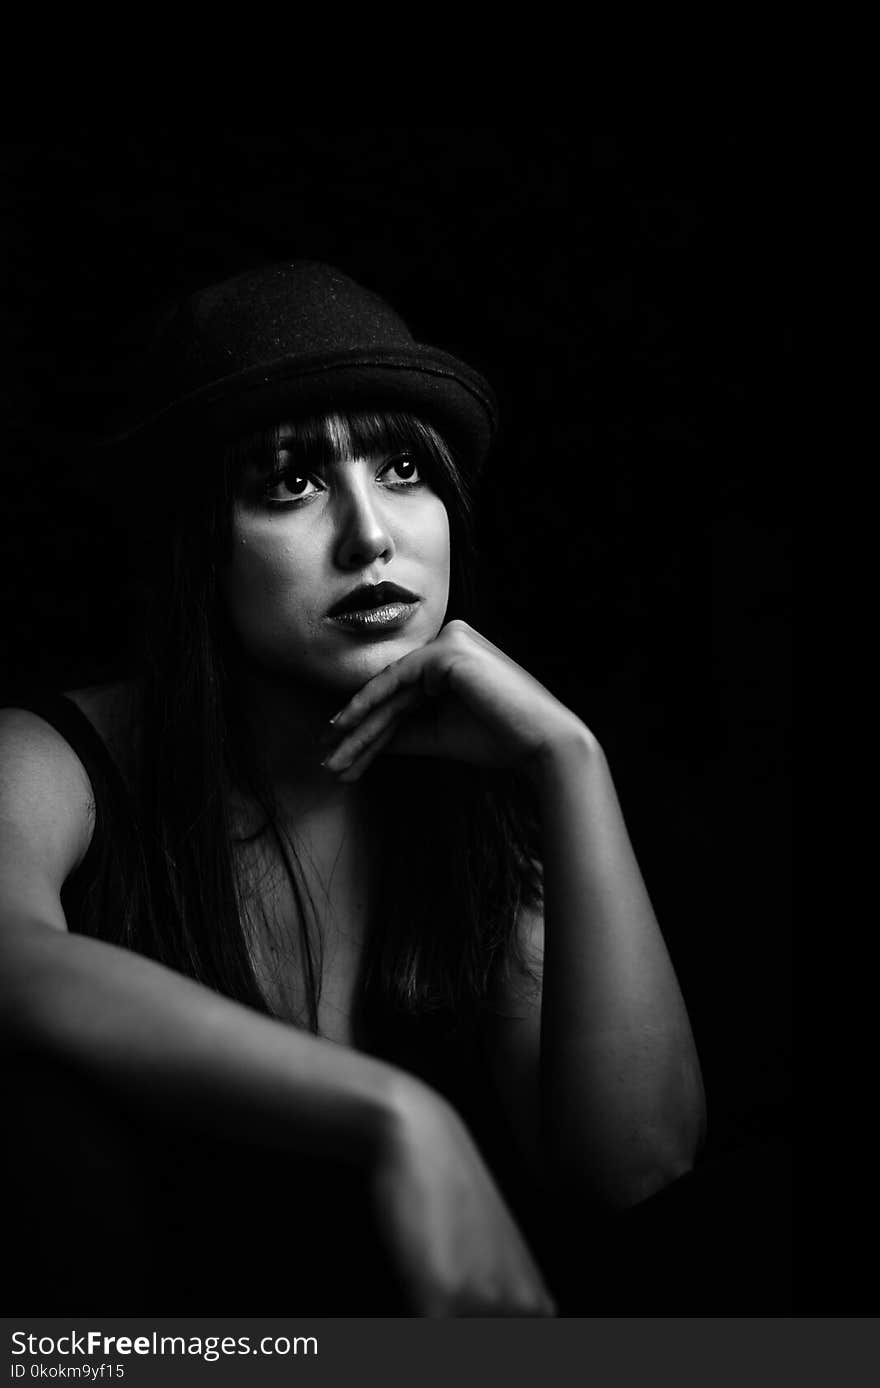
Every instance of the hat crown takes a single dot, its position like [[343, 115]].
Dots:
[[302, 309], [293, 340]]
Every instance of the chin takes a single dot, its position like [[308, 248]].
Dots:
[[341, 674], [354, 668]]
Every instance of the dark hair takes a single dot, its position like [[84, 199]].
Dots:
[[448, 912]]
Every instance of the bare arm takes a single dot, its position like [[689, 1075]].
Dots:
[[621, 1084], [606, 1053], [595, 1060], [159, 1042], [148, 1035]]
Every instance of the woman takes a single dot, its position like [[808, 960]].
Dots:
[[351, 887]]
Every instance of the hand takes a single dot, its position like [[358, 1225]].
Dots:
[[452, 1239], [460, 697]]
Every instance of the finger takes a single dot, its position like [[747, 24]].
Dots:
[[362, 735], [369, 754]]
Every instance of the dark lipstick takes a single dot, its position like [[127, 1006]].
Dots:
[[372, 608], [370, 595]]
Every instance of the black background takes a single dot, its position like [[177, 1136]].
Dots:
[[623, 297]]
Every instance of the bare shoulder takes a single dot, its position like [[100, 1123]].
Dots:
[[46, 805]]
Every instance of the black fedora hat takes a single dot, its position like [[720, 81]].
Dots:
[[296, 339]]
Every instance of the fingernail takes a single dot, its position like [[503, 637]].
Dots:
[[333, 762]]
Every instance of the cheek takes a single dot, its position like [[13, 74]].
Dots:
[[430, 547], [444, 560], [262, 574], [436, 544]]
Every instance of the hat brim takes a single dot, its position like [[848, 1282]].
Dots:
[[425, 381]]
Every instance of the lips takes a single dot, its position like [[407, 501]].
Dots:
[[370, 595]]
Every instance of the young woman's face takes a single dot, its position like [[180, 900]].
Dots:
[[308, 552]]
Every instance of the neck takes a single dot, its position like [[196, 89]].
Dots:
[[332, 825], [287, 728]]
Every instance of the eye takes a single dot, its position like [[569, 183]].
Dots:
[[402, 471], [289, 485]]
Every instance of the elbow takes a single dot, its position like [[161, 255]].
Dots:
[[667, 1163], [663, 1155], [657, 1163], [625, 1172], [658, 1152], [630, 1146]]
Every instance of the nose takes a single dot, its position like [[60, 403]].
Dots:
[[364, 535]]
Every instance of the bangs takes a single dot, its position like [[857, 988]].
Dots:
[[318, 442]]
